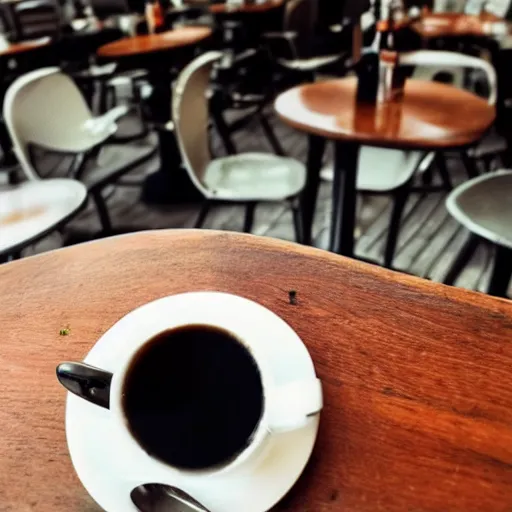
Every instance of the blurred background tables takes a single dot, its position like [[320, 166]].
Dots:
[[266, 48], [9, 50]]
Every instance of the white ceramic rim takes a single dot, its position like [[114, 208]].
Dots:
[[247, 321]]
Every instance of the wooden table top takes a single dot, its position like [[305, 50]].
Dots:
[[451, 24], [431, 115], [245, 8], [23, 46], [417, 376], [155, 43]]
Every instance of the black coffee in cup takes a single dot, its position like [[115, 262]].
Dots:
[[193, 397]]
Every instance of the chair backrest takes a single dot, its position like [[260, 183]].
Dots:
[[37, 18], [300, 17], [46, 108], [439, 60], [190, 116]]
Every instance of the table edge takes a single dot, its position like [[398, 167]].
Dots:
[[468, 138], [326, 257]]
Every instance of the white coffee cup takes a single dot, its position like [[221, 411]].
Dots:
[[287, 406]]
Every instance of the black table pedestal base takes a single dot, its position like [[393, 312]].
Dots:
[[171, 184], [344, 193]]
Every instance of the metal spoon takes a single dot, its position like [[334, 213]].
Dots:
[[163, 498]]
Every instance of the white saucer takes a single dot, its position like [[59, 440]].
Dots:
[[108, 474]]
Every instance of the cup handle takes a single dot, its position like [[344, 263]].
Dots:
[[290, 406], [87, 382]]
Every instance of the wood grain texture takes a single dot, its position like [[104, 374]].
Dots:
[[155, 43], [416, 376], [450, 24], [23, 47], [246, 7], [430, 115]]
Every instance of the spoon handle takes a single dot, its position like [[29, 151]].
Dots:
[[87, 382]]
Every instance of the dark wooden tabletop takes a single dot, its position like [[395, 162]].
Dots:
[[449, 24], [430, 115], [155, 43], [23, 46], [417, 376], [226, 8]]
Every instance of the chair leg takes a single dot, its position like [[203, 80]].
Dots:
[[297, 221], [249, 217], [137, 99], [110, 97], [443, 172], [400, 199], [224, 133], [106, 224], [205, 209], [462, 259], [488, 161], [469, 165], [77, 166], [427, 177], [271, 136], [103, 97], [221, 126], [308, 199], [502, 272]]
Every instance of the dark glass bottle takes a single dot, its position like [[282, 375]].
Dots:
[[367, 68], [154, 17]]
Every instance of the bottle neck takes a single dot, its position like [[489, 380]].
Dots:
[[385, 35]]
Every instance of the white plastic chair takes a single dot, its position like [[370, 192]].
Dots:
[[45, 109], [438, 59], [32, 210], [431, 64], [391, 171], [484, 206], [247, 178]]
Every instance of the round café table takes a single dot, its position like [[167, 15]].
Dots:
[[416, 375], [13, 49], [157, 53], [449, 24], [430, 116], [154, 44]]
